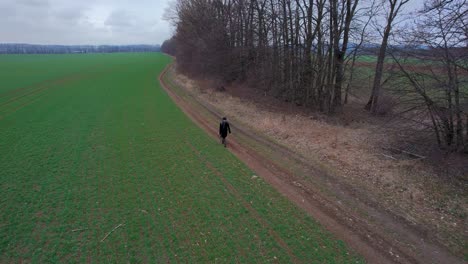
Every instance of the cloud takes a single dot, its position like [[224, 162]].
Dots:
[[119, 19], [69, 14], [83, 22], [34, 3]]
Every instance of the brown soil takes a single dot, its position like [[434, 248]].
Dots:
[[353, 147], [378, 235]]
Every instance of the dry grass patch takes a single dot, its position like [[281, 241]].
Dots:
[[353, 152]]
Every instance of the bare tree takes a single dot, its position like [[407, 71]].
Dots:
[[341, 27], [295, 49], [393, 10], [438, 78], [362, 34]]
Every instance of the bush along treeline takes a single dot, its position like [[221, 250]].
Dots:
[[61, 49], [304, 51], [169, 47]]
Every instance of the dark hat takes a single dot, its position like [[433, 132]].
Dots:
[[224, 118]]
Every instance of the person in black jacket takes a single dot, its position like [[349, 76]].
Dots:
[[223, 130]]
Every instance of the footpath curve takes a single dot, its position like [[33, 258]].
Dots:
[[358, 233]]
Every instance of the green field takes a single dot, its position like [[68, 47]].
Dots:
[[91, 144]]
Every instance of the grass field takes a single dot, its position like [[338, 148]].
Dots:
[[98, 165]]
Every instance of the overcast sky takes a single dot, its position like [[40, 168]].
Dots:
[[83, 21], [89, 21]]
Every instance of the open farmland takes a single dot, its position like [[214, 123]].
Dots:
[[97, 164]]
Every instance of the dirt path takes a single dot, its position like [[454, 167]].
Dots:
[[377, 242]]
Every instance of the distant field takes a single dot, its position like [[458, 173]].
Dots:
[[98, 165]]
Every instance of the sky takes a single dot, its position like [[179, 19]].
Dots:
[[93, 22]]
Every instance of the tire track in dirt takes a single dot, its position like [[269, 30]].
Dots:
[[264, 169], [371, 240], [246, 205]]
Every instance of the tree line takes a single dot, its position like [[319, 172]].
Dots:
[[15, 48], [304, 51]]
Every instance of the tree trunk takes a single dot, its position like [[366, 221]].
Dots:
[[373, 102]]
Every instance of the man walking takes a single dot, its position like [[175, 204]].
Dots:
[[223, 130]]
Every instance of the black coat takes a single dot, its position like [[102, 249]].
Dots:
[[224, 128]]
